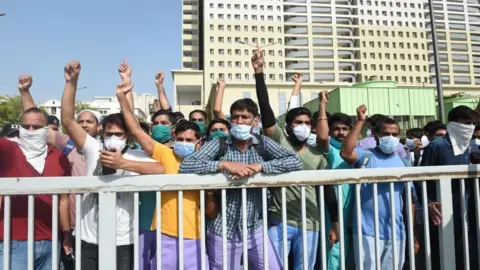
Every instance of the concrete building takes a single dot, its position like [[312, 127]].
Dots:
[[332, 43]]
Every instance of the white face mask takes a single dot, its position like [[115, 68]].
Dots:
[[301, 132], [114, 142], [460, 136], [312, 139], [34, 146]]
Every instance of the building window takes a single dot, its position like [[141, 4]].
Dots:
[[246, 52], [271, 53], [212, 64], [247, 64], [211, 5], [221, 51], [229, 64], [238, 52], [212, 40], [230, 76], [238, 65], [270, 29], [245, 28], [272, 77], [212, 52], [238, 76], [212, 76], [221, 64], [247, 77], [211, 27], [271, 65], [211, 16]]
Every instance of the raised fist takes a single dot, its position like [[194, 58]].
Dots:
[[125, 71], [72, 71], [258, 60], [24, 82], [124, 88], [297, 78], [221, 83], [362, 113], [159, 77], [323, 96]]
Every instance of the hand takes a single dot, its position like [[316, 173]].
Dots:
[[416, 245], [124, 88], [435, 212], [297, 78], [72, 71], [362, 113], [221, 83], [159, 77], [258, 60], [255, 167], [237, 170], [24, 82], [67, 243], [125, 71], [112, 160], [334, 234], [324, 96]]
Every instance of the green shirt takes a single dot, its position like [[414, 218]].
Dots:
[[312, 159]]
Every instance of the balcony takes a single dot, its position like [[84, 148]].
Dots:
[[296, 41], [298, 30], [348, 78], [323, 65], [322, 30], [295, 19], [324, 77], [294, 9], [321, 10], [321, 20], [296, 65], [296, 53], [322, 42], [323, 54]]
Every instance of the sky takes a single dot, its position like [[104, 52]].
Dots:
[[40, 37]]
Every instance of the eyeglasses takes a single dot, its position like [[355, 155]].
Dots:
[[116, 134], [34, 127]]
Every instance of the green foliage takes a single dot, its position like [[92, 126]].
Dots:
[[10, 109]]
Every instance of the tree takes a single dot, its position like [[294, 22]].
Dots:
[[10, 109], [80, 106]]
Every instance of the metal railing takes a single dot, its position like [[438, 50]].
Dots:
[[108, 186]]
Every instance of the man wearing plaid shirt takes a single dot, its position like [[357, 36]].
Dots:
[[242, 159]]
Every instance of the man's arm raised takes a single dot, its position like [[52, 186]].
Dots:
[[162, 97], [322, 123], [217, 106], [147, 143], [125, 72], [73, 129], [24, 84], [348, 152]]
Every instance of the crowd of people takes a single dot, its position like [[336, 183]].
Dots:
[[250, 141]]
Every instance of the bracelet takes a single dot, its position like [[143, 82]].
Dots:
[[322, 118]]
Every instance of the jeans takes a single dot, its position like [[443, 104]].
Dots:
[[42, 257], [385, 253], [90, 257], [295, 243]]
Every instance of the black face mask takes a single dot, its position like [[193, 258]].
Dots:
[[110, 171]]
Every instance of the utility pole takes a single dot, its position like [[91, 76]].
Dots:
[[438, 75]]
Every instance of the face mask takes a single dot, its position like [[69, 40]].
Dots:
[[369, 132], [460, 136], [335, 143], [114, 142], [241, 132], [12, 139], [301, 132], [161, 133], [312, 139], [34, 146], [257, 129], [388, 144], [202, 127], [410, 143], [217, 134], [183, 149], [425, 141]]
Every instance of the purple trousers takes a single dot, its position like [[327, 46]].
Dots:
[[148, 252], [235, 251]]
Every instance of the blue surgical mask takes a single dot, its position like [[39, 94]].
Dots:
[[217, 134], [410, 143], [183, 149], [161, 133], [241, 132], [335, 143], [388, 144], [257, 130], [312, 139]]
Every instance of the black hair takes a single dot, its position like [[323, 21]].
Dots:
[[374, 119], [170, 115], [197, 111], [145, 127], [115, 119], [477, 128], [461, 113], [294, 113], [245, 104], [339, 117], [432, 127], [36, 110], [186, 125], [216, 121], [178, 116], [415, 132], [315, 117], [385, 121]]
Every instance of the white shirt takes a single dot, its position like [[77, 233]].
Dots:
[[125, 203]]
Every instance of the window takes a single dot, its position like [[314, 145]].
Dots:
[[229, 28], [212, 63], [237, 27], [262, 18], [247, 77], [237, 17], [237, 39], [247, 64], [270, 29], [220, 5], [229, 64], [270, 8], [238, 64], [272, 77], [387, 56], [280, 77], [271, 52], [238, 76], [271, 65], [254, 28], [245, 17], [212, 40], [221, 39], [254, 17], [262, 28], [220, 16], [212, 76], [221, 51], [211, 27], [230, 76], [237, 6], [280, 53], [238, 52], [221, 75], [246, 52], [245, 28], [211, 5], [229, 6], [229, 51], [221, 64], [280, 64], [221, 27], [211, 16], [270, 18], [254, 7], [212, 52]]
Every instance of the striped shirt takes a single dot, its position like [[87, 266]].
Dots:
[[280, 160]]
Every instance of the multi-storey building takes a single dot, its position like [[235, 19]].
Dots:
[[331, 42]]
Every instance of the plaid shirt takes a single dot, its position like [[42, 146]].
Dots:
[[280, 160]]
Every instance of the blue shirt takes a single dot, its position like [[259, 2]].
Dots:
[[378, 160], [370, 142], [335, 161]]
